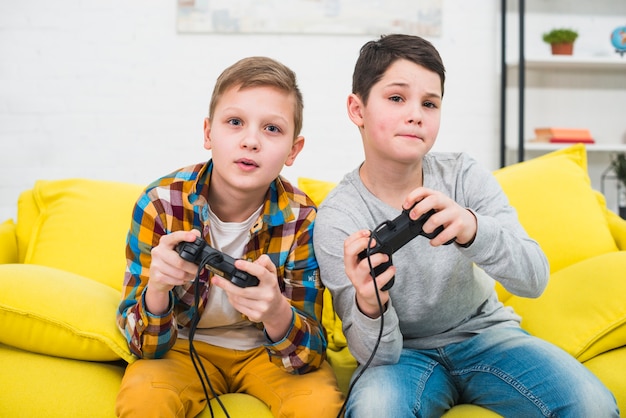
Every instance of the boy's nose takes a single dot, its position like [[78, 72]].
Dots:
[[415, 115], [250, 141]]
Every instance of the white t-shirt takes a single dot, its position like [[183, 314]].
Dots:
[[221, 324]]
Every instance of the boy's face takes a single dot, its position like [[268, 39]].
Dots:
[[401, 119], [251, 137]]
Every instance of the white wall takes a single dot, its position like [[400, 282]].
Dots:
[[109, 90]]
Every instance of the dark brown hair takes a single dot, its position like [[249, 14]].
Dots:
[[377, 56]]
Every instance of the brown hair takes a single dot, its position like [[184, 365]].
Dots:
[[260, 71], [377, 56]]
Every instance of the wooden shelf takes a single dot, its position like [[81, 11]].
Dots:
[[573, 62], [537, 146]]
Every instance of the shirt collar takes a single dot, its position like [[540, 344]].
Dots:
[[276, 211]]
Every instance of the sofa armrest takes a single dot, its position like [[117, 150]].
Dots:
[[617, 226], [8, 243]]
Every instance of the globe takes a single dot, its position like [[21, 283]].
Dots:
[[618, 39]]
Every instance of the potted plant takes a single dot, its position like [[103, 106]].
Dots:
[[618, 165], [561, 40]]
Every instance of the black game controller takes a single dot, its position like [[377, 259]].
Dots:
[[219, 263], [392, 235]]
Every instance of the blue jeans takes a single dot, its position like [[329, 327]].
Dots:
[[503, 369]]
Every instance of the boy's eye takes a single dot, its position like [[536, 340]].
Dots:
[[273, 128], [395, 98], [234, 121], [430, 105]]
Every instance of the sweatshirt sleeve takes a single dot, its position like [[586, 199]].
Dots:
[[336, 220], [502, 247]]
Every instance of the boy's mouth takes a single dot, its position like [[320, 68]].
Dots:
[[411, 136], [246, 162]]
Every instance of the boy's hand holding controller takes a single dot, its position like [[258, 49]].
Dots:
[[358, 272], [263, 303], [252, 287], [445, 222], [459, 224], [168, 269]]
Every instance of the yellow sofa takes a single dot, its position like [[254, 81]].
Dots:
[[62, 263]]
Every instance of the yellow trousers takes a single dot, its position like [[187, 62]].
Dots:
[[170, 386]]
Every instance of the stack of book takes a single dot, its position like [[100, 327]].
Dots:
[[563, 135]]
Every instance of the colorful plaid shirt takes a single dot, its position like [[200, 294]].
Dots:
[[284, 232]]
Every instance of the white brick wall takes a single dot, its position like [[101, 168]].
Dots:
[[109, 90]]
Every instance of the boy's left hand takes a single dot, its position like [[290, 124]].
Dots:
[[459, 223], [263, 303]]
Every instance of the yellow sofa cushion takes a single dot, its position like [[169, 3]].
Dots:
[[332, 324], [617, 226], [74, 215], [609, 368], [8, 243], [35, 385], [583, 309], [27, 213], [49, 311], [557, 206], [473, 411], [42, 386], [315, 189]]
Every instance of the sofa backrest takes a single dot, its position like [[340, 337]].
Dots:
[[558, 207], [77, 225]]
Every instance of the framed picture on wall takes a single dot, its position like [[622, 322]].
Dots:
[[339, 17]]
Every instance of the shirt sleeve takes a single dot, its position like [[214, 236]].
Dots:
[[501, 247], [304, 346], [148, 335]]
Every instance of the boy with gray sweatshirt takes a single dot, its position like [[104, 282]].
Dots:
[[440, 333]]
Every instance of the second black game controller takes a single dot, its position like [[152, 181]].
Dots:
[[216, 261], [392, 235]]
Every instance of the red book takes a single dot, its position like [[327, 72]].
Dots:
[[572, 140]]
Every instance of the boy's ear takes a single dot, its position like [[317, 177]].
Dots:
[[207, 133], [296, 147], [355, 110]]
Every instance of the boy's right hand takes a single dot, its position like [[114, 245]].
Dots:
[[358, 271], [168, 269]]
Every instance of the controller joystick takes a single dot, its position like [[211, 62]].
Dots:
[[216, 261], [392, 235]]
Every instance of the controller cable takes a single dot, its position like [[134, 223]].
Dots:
[[380, 331], [195, 357]]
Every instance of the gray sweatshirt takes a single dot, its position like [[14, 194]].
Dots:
[[441, 294]]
